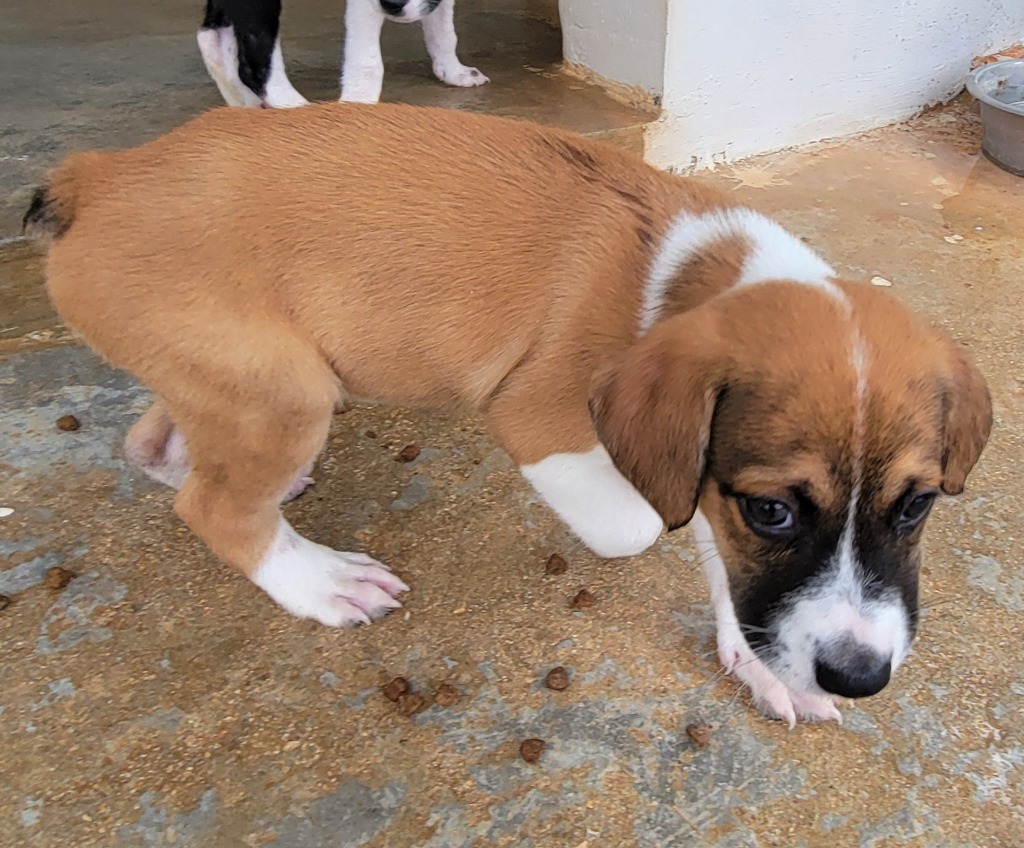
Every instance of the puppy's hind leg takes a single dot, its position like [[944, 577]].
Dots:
[[158, 448], [252, 421], [439, 35]]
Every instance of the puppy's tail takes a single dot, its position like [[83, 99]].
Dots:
[[54, 204]]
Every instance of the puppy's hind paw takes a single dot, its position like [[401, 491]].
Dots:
[[299, 484]]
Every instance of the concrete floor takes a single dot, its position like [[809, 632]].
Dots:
[[158, 699]]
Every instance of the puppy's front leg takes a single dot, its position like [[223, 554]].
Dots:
[[439, 34], [771, 695], [557, 450], [362, 75]]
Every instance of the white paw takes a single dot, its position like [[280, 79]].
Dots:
[[771, 695], [284, 98], [279, 92], [313, 581], [219, 50], [455, 73]]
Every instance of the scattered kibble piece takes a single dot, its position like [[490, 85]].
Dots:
[[556, 564], [557, 679], [409, 453], [584, 598], [370, 434], [699, 733], [68, 423], [531, 749], [57, 578], [395, 689]]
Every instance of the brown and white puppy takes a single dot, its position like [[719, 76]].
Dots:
[[645, 350]]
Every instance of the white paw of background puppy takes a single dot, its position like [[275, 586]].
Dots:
[[455, 73], [771, 695], [335, 588]]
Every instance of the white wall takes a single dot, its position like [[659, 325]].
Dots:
[[748, 76], [622, 40]]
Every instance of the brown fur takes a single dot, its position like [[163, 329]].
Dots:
[[254, 267], [753, 393], [251, 266]]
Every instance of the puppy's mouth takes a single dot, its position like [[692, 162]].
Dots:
[[840, 650]]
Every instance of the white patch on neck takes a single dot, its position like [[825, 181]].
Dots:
[[774, 254]]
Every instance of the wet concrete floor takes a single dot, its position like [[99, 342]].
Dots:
[[158, 699]]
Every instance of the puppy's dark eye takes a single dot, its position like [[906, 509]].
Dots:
[[915, 510], [766, 516]]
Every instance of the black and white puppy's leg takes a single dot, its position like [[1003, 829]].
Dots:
[[362, 74], [241, 50], [439, 34]]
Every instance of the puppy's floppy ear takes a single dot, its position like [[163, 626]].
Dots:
[[652, 410], [968, 419]]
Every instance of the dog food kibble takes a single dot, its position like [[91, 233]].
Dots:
[[556, 564], [68, 423], [699, 733], [395, 689], [410, 703], [446, 695], [531, 749], [557, 679], [408, 453], [58, 578], [4, 602], [584, 598], [370, 434]]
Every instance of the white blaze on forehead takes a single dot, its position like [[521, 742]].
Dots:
[[773, 254], [833, 606]]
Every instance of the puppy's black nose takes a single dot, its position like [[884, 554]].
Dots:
[[853, 673], [393, 7]]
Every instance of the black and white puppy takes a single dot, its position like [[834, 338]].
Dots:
[[242, 51]]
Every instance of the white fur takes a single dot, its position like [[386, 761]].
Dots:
[[775, 254], [279, 93], [600, 506], [362, 76], [219, 50], [439, 35], [312, 581], [772, 696]]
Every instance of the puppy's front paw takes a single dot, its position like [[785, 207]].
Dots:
[[313, 581], [455, 73], [771, 695]]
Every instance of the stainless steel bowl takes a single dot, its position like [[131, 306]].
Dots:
[[999, 88]]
